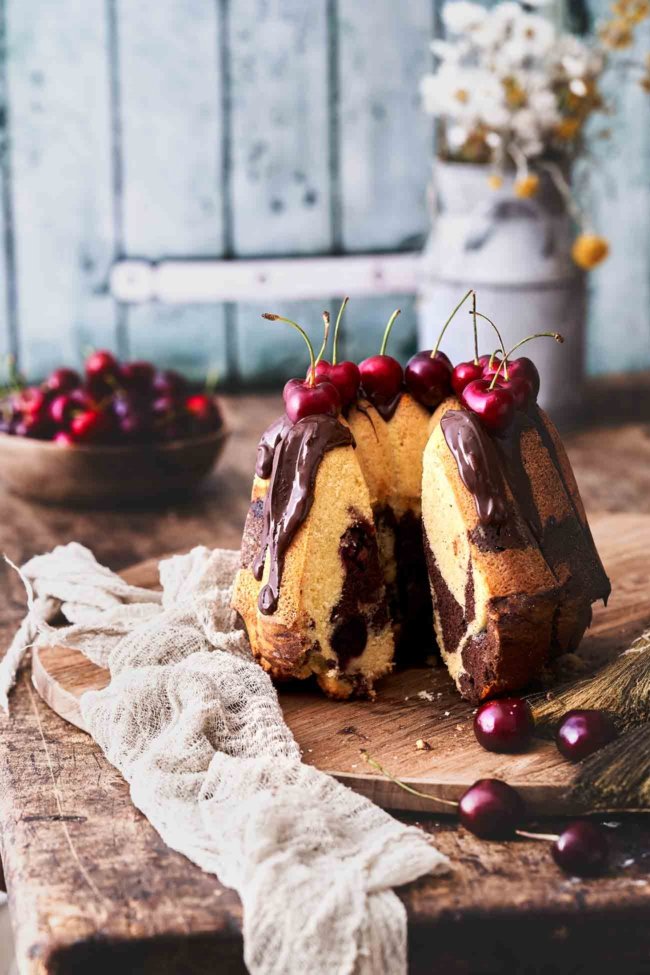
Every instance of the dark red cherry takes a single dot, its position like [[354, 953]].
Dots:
[[491, 809], [428, 377], [63, 380], [138, 375], [465, 373], [304, 400], [31, 402], [167, 382], [582, 850], [381, 377], [347, 379], [504, 725], [90, 426], [525, 368], [582, 732], [322, 370], [62, 407], [520, 387], [63, 439], [102, 372], [203, 412], [494, 407]]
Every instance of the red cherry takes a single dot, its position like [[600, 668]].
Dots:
[[381, 377], [428, 377], [102, 373], [169, 383], [33, 427], [138, 375], [504, 725], [63, 439], [62, 407], [491, 809], [582, 732], [305, 400], [525, 368], [347, 379], [322, 371], [30, 402], [494, 407], [465, 373], [90, 426], [63, 380], [203, 411], [582, 850], [521, 389]]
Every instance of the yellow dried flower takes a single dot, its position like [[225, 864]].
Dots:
[[527, 186], [568, 128], [633, 11], [495, 182], [462, 96], [617, 34], [515, 95], [589, 250]]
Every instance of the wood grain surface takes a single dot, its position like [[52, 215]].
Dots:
[[92, 886]]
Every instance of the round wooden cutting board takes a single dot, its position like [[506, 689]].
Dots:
[[416, 704]]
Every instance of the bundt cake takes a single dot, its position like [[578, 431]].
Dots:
[[378, 507]]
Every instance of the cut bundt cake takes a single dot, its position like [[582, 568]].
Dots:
[[512, 565], [311, 590], [387, 512]]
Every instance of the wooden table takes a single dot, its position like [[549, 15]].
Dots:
[[90, 882]]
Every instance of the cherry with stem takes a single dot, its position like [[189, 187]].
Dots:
[[382, 375], [466, 372], [428, 374], [491, 809], [307, 397]]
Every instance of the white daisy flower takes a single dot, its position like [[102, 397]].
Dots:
[[462, 15]]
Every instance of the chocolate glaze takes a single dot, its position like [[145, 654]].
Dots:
[[385, 408], [269, 441], [296, 461], [478, 464]]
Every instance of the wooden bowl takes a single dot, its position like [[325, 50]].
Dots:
[[104, 474]]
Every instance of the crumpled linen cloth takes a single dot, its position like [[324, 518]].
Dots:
[[195, 727]]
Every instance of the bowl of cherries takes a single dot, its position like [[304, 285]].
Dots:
[[121, 431]]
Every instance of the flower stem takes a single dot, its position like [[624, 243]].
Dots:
[[387, 330], [312, 364], [336, 329], [444, 327]]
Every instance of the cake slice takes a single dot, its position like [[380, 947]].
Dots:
[[512, 566], [311, 589]]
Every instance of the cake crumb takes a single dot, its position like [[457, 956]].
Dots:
[[425, 695], [422, 745], [447, 713]]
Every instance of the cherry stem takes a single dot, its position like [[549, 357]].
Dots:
[[387, 330], [475, 328], [503, 348], [336, 329], [444, 327], [550, 837], [279, 318], [326, 332], [407, 788], [538, 335]]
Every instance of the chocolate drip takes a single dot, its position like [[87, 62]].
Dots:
[[269, 441], [478, 464], [385, 408], [296, 460]]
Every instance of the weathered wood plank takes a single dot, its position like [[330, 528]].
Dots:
[[280, 180], [8, 336], [619, 320], [58, 84], [172, 158], [385, 138]]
